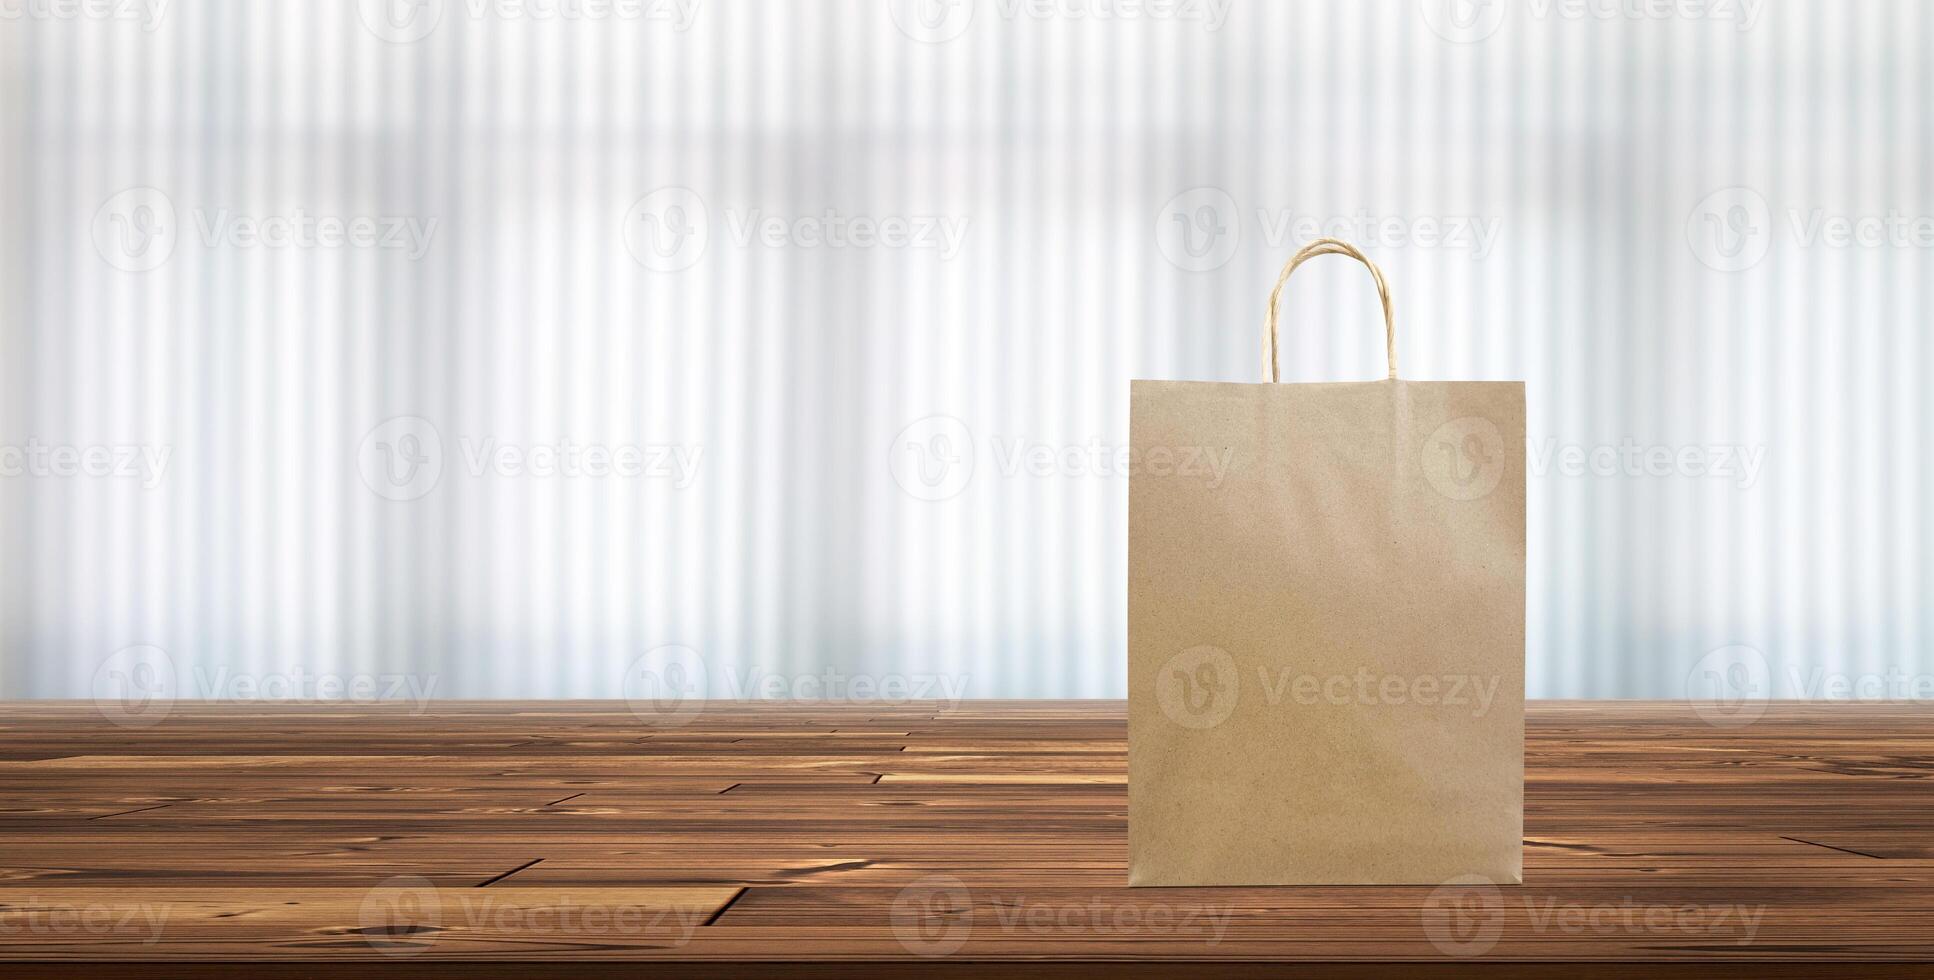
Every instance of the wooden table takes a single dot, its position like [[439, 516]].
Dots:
[[314, 840]]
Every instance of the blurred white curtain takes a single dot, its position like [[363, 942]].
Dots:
[[845, 296]]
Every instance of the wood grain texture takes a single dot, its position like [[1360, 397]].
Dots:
[[915, 838]]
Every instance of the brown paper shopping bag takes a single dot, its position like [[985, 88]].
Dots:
[[1326, 631]]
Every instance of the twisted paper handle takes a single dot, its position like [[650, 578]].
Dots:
[[1328, 246]]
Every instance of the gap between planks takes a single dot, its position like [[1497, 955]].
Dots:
[[522, 867], [714, 917], [1833, 847], [124, 813]]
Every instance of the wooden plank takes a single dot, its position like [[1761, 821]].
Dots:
[[399, 917], [920, 835]]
